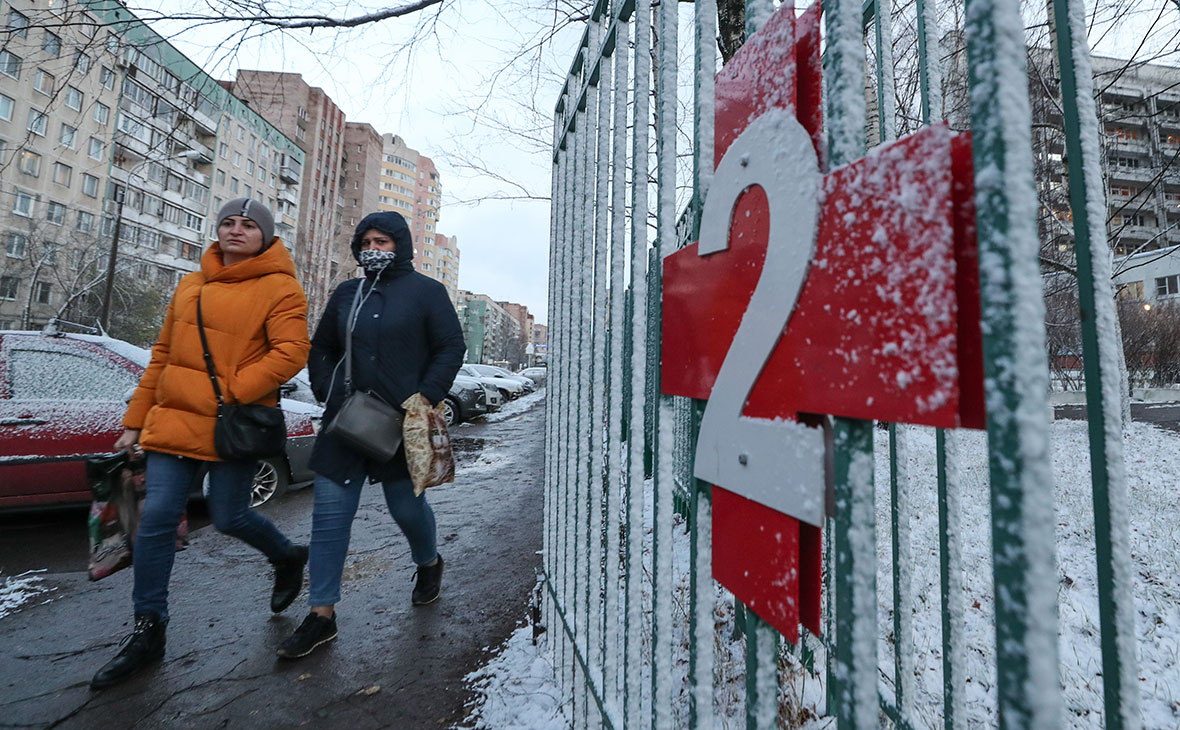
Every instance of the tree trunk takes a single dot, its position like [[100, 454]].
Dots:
[[731, 27]]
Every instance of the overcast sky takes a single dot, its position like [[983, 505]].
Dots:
[[421, 77]]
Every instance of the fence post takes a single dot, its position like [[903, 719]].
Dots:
[[1100, 359], [1015, 369]]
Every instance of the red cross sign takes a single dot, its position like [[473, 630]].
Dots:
[[850, 294]]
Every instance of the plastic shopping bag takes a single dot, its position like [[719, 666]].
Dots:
[[427, 444], [117, 487]]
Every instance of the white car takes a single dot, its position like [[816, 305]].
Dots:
[[537, 375], [509, 387], [493, 371]]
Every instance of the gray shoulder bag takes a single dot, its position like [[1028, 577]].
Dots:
[[365, 423]]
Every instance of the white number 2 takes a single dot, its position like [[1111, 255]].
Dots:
[[774, 462]]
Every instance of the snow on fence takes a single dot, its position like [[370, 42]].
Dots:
[[619, 475]]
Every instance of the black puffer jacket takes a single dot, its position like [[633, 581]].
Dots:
[[406, 340]]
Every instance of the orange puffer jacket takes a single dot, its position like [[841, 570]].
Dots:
[[255, 316]]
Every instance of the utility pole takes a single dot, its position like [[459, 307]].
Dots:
[[105, 315]]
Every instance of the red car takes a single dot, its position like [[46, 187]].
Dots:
[[62, 398]]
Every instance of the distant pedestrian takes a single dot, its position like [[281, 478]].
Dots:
[[255, 319], [406, 339]]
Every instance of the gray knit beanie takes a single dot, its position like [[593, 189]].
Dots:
[[256, 212]]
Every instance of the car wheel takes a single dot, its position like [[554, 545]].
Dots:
[[505, 395], [450, 412], [270, 482]]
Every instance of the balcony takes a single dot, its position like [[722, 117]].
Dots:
[[289, 175]]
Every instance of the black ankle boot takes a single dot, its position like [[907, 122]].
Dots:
[[429, 584], [144, 645], [288, 578]]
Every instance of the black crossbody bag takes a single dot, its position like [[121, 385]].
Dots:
[[242, 432], [365, 422]]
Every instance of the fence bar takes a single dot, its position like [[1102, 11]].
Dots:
[[662, 471], [639, 244], [599, 391], [568, 385], [854, 584], [615, 483], [701, 591], [1016, 369], [762, 645], [903, 560], [1100, 359], [886, 99], [950, 571], [929, 70]]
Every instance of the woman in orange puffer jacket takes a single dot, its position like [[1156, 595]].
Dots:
[[255, 319]]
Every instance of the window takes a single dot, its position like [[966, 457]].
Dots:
[[249, 192], [6, 106], [37, 122], [96, 148], [1167, 285], [10, 64], [43, 82], [81, 62], [233, 185], [62, 174], [73, 98], [85, 222], [42, 292], [8, 287], [68, 136], [51, 44], [102, 113], [237, 159], [90, 185], [18, 24], [16, 244], [223, 150], [249, 167], [29, 163], [107, 77], [22, 204], [55, 213], [1131, 290], [241, 131]]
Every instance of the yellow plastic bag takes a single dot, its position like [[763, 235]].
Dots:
[[427, 444]]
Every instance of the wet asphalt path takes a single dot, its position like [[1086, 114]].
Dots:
[[393, 665], [1164, 415]]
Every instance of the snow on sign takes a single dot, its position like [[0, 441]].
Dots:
[[850, 294]]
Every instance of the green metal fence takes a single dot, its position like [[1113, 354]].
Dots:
[[620, 492]]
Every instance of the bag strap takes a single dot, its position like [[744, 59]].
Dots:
[[205, 346], [353, 313]]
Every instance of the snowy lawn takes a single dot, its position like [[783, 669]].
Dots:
[[518, 688], [516, 407]]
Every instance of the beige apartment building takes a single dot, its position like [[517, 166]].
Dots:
[[409, 184], [307, 115], [111, 141]]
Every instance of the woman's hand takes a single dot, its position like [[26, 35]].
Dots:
[[129, 441]]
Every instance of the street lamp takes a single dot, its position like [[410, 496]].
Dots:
[[120, 197]]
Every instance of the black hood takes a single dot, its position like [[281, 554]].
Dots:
[[393, 225]]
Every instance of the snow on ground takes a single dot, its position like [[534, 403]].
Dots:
[[516, 407], [17, 590], [518, 688]]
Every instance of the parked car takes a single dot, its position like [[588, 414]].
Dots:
[[62, 397], [509, 387], [537, 375], [465, 400], [496, 370]]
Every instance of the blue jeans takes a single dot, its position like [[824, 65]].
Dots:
[[331, 528], [169, 479]]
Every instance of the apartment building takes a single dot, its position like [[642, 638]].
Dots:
[[308, 116], [410, 184], [493, 330], [110, 140]]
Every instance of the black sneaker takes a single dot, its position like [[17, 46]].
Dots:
[[144, 645], [429, 584], [314, 630], [288, 578]]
